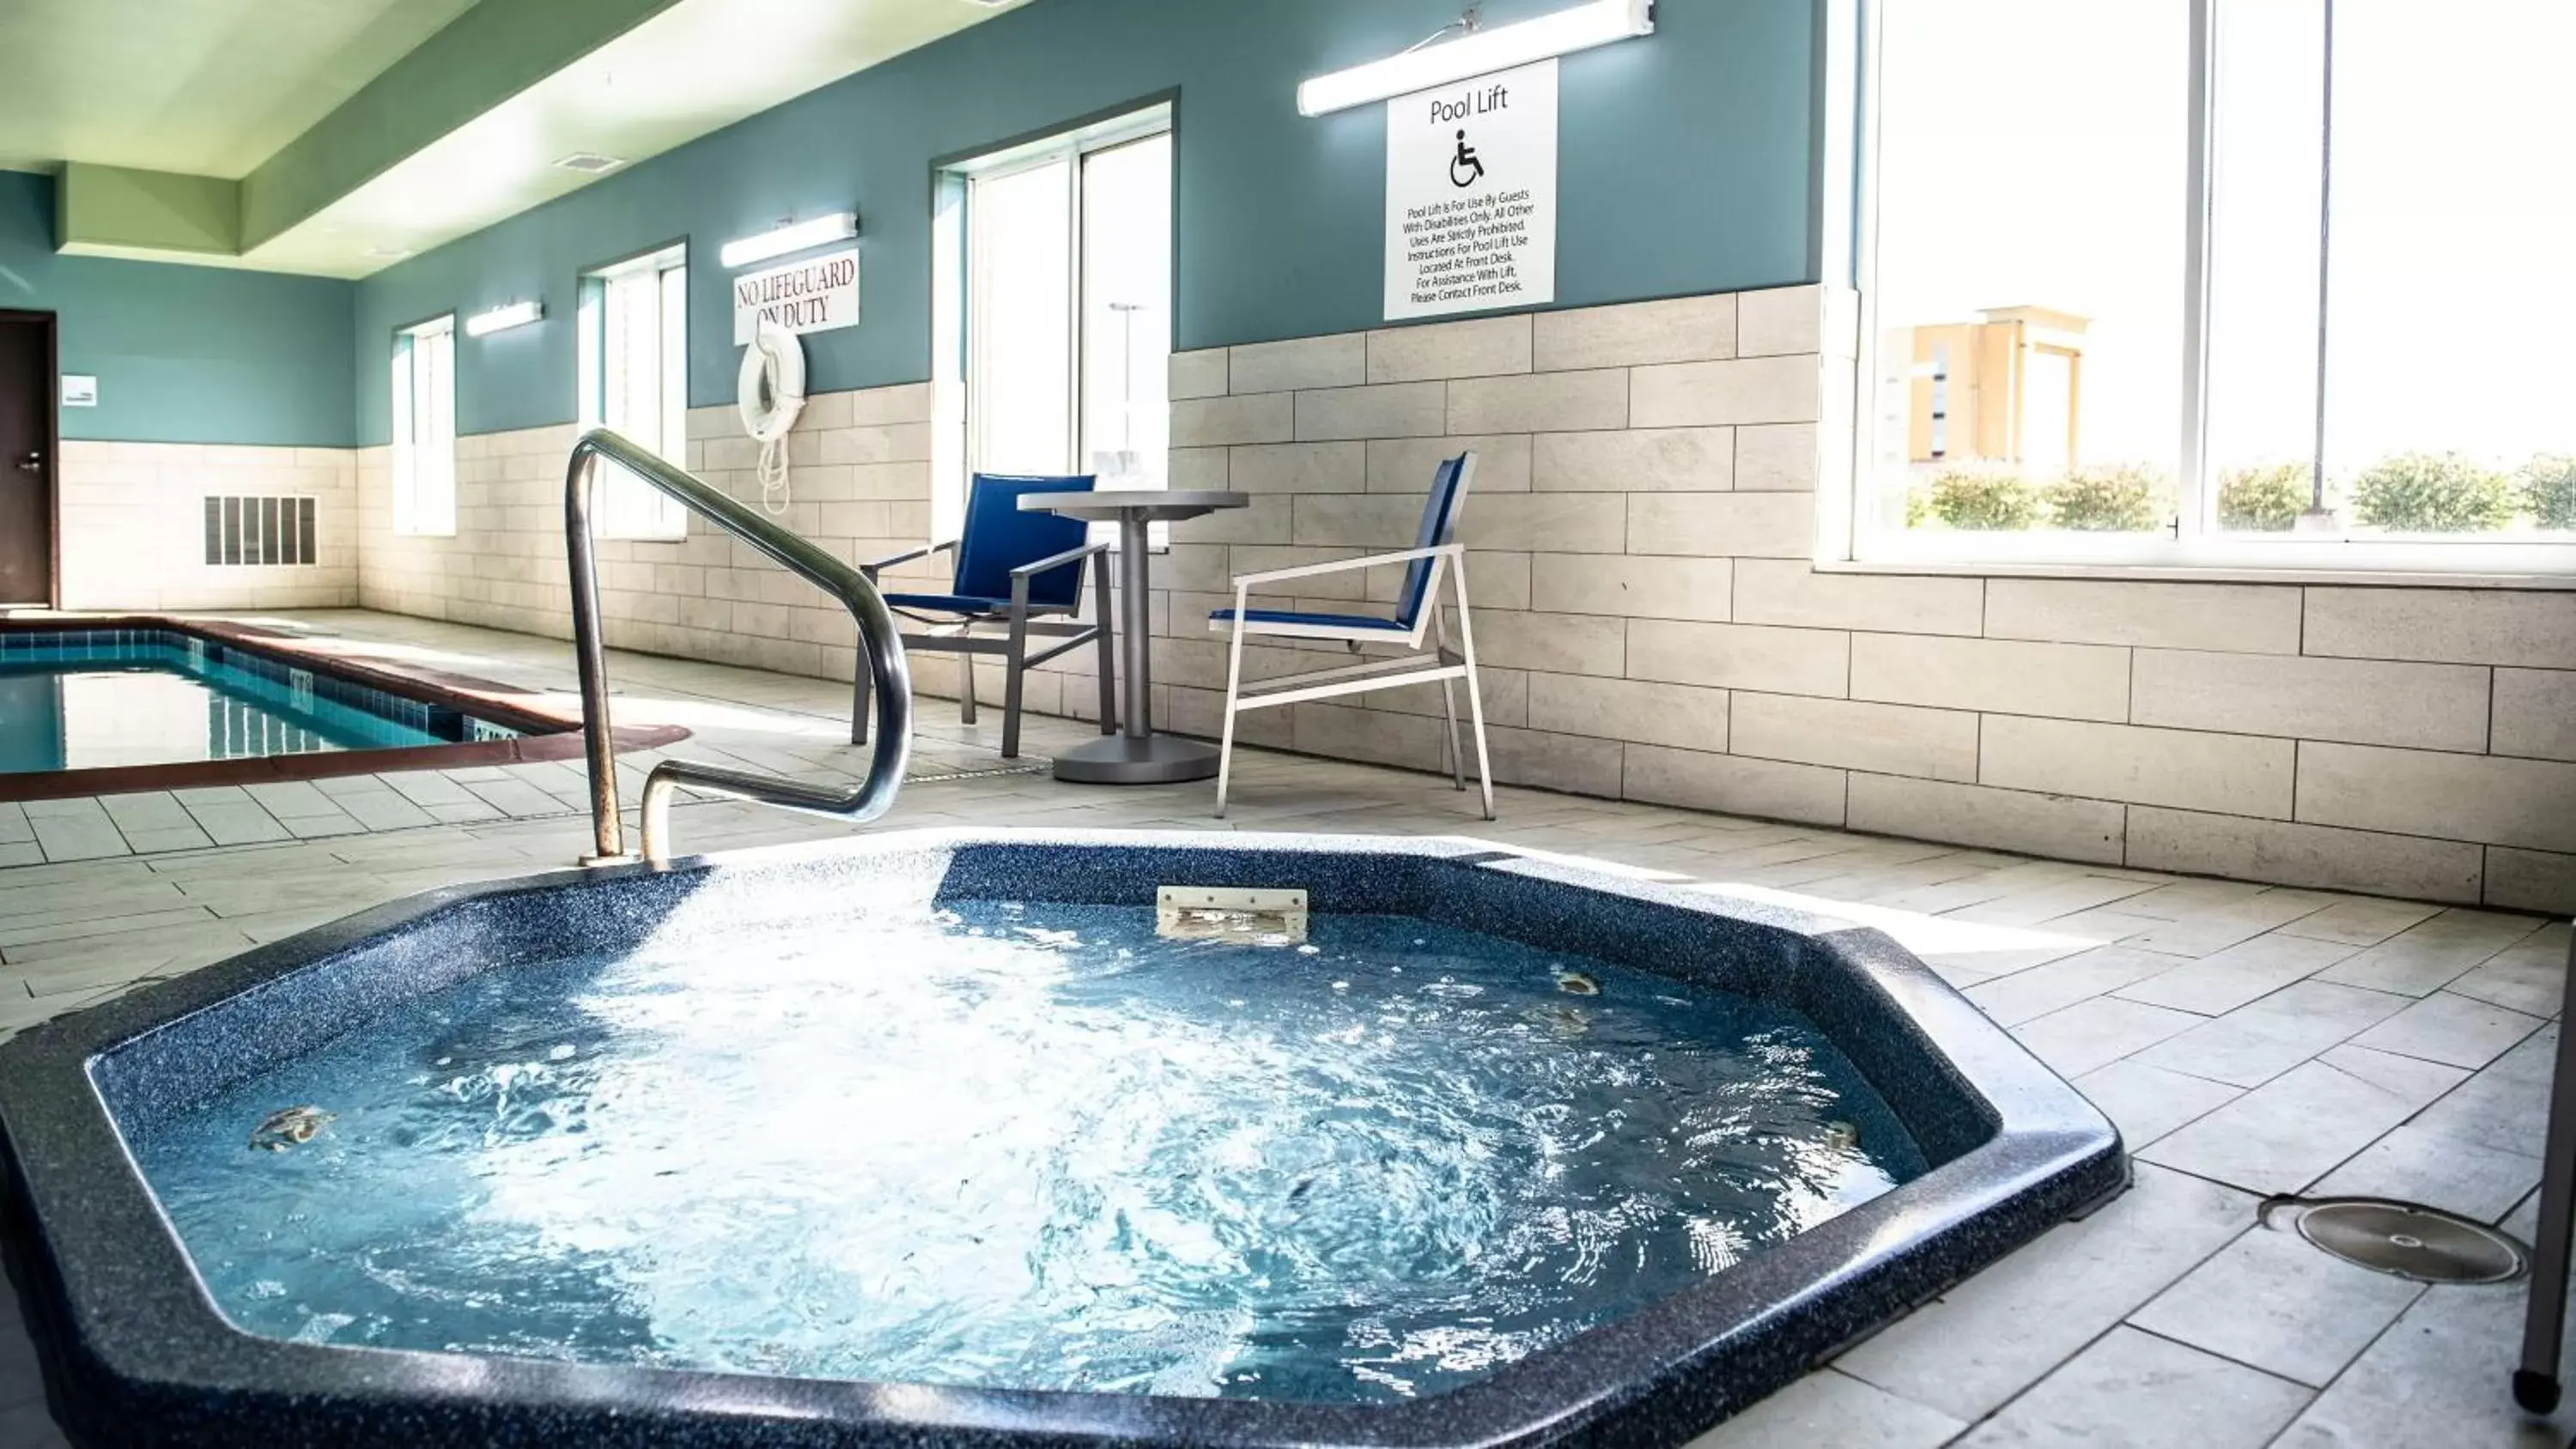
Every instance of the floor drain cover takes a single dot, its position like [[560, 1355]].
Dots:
[[2425, 1244]]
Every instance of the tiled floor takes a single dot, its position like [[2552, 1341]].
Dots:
[[2248, 1040]]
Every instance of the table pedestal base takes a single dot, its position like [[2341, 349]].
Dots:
[[1127, 760]]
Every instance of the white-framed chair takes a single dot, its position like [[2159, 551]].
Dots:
[[1418, 627]]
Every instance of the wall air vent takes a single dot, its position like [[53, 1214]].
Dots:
[[259, 531], [589, 163]]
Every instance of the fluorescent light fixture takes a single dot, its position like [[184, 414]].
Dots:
[[795, 236], [1478, 52], [504, 317]]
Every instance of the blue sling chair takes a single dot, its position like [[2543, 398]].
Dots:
[[1417, 627], [1020, 572]]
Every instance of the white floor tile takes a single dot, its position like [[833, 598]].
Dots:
[[2275, 1301], [2133, 1390], [1978, 1345]]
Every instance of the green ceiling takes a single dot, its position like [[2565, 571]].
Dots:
[[335, 136], [208, 87]]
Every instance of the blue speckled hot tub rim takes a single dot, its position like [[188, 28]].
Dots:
[[136, 1352]]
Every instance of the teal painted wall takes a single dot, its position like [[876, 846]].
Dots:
[[1685, 161], [184, 354]]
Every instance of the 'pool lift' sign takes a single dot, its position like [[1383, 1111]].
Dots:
[[814, 295], [1471, 195]]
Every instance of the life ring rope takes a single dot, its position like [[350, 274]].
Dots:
[[769, 394]]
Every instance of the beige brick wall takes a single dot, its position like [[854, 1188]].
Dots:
[[1648, 620], [859, 485], [1652, 627], [133, 526]]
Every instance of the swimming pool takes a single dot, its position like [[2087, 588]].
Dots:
[[928, 1138], [113, 704], [92, 698]]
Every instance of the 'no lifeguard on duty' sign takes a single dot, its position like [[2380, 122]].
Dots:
[[814, 295]]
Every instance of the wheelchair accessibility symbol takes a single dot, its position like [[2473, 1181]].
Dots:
[[1464, 168]]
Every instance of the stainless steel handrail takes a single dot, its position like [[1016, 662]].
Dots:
[[881, 648]]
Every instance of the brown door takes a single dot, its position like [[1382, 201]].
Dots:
[[26, 459]]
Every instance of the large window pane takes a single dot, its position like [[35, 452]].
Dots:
[[634, 358], [2450, 383], [674, 346], [2267, 134], [436, 465], [1126, 312], [1020, 306], [404, 434], [638, 351], [2029, 269], [633, 375], [424, 429]]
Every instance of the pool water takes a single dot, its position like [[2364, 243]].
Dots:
[[101, 698], [1027, 1146]]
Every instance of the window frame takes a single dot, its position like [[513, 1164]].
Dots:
[[629, 509], [2189, 547], [406, 445]]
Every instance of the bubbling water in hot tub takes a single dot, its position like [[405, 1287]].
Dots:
[[1028, 1146]]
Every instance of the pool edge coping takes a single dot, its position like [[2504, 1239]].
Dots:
[[547, 733]]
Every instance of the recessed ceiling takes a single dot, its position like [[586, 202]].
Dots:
[[205, 87], [678, 76], [216, 87]]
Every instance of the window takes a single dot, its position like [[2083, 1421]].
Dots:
[[1066, 270], [2219, 283], [634, 377], [424, 432]]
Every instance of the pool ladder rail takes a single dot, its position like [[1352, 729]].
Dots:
[[880, 654]]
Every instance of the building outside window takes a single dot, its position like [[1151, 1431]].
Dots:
[[1056, 295], [634, 378], [424, 428], [2254, 283]]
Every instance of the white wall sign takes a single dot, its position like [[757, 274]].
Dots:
[[79, 392], [814, 295], [1471, 195]]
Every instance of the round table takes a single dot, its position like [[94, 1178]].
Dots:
[[1135, 755]]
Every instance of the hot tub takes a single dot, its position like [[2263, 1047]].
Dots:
[[943, 1138]]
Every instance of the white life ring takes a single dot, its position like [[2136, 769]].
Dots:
[[769, 394]]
